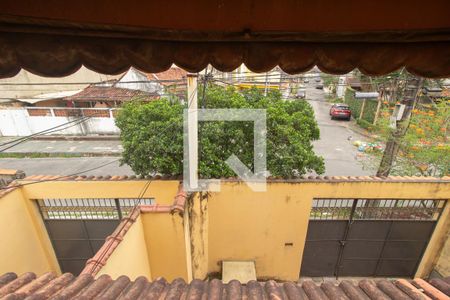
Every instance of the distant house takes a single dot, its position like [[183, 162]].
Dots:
[[171, 82], [90, 89], [106, 96]]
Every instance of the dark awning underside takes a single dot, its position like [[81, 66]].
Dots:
[[54, 38]]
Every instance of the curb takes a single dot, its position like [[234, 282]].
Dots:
[[77, 138], [354, 127]]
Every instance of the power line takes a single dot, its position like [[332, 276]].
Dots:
[[136, 206], [46, 131], [105, 84]]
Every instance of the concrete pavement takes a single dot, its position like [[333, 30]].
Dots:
[[66, 166], [64, 146], [336, 138]]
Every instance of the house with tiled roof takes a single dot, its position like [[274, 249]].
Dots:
[[171, 82], [101, 96], [133, 237]]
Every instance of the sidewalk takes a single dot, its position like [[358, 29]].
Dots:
[[61, 146]]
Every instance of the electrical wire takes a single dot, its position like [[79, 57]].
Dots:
[[95, 83], [47, 131], [135, 207]]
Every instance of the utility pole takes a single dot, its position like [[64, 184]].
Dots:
[[265, 89], [377, 112], [192, 130], [412, 89]]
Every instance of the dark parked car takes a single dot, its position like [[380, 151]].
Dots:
[[319, 86], [340, 111]]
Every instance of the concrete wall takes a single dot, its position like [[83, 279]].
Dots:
[[443, 262], [437, 255], [24, 243], [17, 122], [234, 224], [165, 240], [246, 225], [130, 258], [163, 191]]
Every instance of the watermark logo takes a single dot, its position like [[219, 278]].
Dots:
[[256, 180]]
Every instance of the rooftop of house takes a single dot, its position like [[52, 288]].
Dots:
[[85, 286], [109, 93], [174, 73]]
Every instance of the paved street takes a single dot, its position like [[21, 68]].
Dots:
[[335, 145], [63, 146], [66, 166], [336, 138]]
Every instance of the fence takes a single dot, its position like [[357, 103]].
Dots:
[[30, 120]]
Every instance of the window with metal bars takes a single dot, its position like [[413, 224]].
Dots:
[[89, 208], [376, 209]]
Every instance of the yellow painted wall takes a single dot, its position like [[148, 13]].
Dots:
[[130, 258], [163, 191], [165, 240], [246, 225], [443, 262], [24, 243], [236, 223], [437, 254]]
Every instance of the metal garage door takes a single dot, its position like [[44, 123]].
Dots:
[[78, 227], [361, 237]]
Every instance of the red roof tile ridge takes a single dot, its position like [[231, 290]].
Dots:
[[269, 179], [178, 204], [9, 188]]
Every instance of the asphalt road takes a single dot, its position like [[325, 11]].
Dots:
[[335, 145], [64, 166], [336, 138]]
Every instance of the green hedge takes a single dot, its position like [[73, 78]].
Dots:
[[356, 104], [364, 124]]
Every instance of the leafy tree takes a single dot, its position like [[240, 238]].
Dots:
[[330, 81], [424, 149], [152, 135]]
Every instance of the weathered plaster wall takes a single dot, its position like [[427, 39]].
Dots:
[[130, 258], [165, 240]]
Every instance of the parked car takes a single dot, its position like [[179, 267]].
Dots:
[[301, 94], [317, 79], [340, 111], [319, 86], [306, 80]]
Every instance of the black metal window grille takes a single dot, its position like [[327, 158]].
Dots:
[[376, 209], [89, 209]]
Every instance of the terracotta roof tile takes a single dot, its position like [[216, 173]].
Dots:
[[85, 286], [108, 93], [429, 290], [271, 179], [174, 73]]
